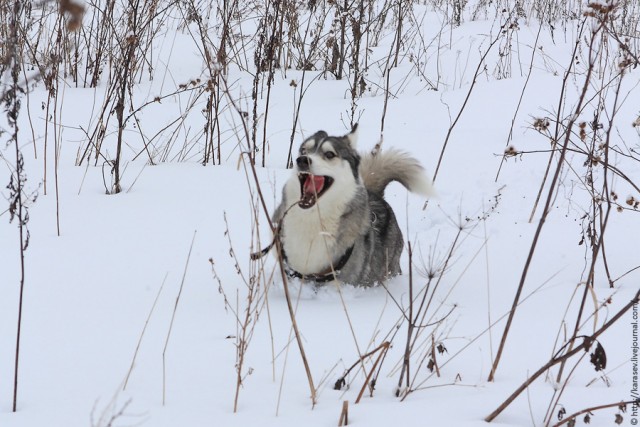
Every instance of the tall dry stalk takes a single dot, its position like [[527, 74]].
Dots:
[[283, 273], [18, 210]]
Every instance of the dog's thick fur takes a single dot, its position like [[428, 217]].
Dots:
[[333, 220]]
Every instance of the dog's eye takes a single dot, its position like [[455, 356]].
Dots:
[[329, 155]]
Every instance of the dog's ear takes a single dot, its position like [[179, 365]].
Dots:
[[352, 136]]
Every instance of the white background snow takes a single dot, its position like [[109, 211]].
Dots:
[[89, 290]]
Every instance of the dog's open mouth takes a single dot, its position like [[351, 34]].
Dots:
[[311, 188]]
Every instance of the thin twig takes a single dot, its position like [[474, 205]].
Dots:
[[173, 317], [144, 328], [466, 99]]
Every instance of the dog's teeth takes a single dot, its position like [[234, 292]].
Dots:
[[308, 200]]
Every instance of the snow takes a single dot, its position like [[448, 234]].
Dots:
[[179, 228]]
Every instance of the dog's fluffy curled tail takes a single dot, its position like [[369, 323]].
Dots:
[[379, 170]]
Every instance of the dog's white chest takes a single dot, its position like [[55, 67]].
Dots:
[[309, 240]]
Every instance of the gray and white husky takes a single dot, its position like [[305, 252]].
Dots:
[[333, 222]]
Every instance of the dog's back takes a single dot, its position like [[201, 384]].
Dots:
[[382, 246]]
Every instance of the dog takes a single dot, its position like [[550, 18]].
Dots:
[[333, 222]]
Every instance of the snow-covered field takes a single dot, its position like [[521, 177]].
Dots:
[[136, 304]]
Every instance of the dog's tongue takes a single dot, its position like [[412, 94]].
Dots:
[[313, 185]]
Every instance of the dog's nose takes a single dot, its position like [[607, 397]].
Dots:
[[303, 163]]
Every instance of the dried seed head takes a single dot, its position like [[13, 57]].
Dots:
[[131, 39], [510, 151], [583, 134], [541, 124], [625, 63], [74, 11], [598, 10], [561, 413], [599, 358]]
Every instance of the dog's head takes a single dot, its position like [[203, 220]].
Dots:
[[327, 165]]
